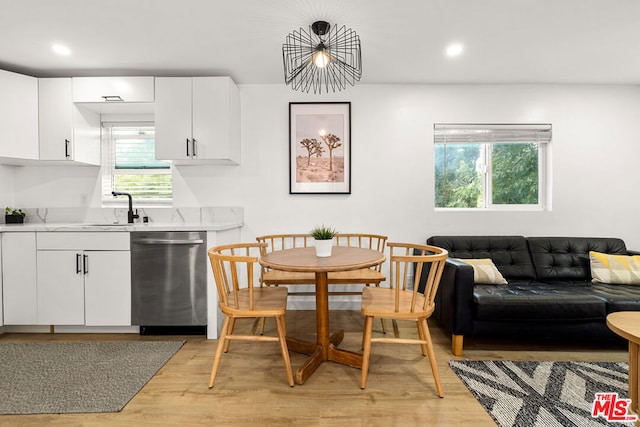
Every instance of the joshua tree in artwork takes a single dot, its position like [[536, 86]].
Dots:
[[332, 142], [314, 148]]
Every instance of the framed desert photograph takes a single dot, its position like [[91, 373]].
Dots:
[[320, 147]]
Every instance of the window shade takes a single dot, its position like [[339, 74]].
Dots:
[[129, 164], [135, 148], [491, 133]]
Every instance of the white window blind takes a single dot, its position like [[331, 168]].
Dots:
[[491, 133], [129, 163]]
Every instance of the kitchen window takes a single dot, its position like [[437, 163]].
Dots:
[[486, 166], [129, 164]]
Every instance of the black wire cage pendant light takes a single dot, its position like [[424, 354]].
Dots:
[[325, 57]]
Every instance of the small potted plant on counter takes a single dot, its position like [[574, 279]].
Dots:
[[13, 216], [323, 237]]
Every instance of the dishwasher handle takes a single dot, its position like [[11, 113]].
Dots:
[[169, 241]]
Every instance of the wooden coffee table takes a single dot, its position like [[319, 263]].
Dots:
[[627, 325], [343, 258]]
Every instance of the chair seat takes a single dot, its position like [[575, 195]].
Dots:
[[361, 276], [268, 301], [380, 302]]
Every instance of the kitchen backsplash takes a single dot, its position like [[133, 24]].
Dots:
[[186, 215]]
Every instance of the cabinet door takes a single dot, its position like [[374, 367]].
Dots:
[[19, 286], [18, 116], [214, 117], [60, 288], [54, 117], [1, 309], [108, 288], [86, 133], [173, 118], [115, 89]]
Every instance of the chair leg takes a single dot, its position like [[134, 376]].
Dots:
[[423, 346], [219, 349], [396, 331], [366, 354], [262, 323], [232, 324], [384, 326], [282, 336], [432, 355]]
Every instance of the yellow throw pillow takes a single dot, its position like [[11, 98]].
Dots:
[[485, 272], [615, 269]]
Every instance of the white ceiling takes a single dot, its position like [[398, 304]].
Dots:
[[403, 41]]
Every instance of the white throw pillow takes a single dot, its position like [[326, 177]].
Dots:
[[485, 271]]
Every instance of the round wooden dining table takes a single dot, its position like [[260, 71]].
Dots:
[[343, 258]]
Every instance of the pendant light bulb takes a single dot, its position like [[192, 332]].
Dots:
[[321, 58]]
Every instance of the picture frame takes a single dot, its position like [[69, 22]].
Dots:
[[319, 148]]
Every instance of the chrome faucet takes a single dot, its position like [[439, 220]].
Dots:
[[130, 215]]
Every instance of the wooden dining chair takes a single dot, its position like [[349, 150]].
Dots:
[[234, 274], [402, 301]]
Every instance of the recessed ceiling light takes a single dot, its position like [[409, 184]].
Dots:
[[454, 49], [61, 49]]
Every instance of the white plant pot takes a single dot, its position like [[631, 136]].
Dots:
[[323, 247]]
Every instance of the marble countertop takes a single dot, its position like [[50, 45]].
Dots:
[[120, 227], [115, 219]]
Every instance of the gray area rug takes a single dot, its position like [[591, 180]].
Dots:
[[57, 377], [544, 393]]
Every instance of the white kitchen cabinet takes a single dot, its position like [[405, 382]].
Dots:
[[19, 280], [197, 120], [18, 117], [84, 278], [113, 89], [1, 308], [67, 132]]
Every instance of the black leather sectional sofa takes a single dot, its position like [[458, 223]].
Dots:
[[549, 292]]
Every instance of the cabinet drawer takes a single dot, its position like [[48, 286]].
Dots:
[[128, 89], [90, 241]]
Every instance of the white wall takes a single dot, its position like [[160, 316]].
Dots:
[[6, 186], [595, 152]]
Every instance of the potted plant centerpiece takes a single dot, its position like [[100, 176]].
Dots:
[[13, 216], [323, 237]]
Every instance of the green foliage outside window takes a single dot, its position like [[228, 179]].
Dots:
[[459, 174]]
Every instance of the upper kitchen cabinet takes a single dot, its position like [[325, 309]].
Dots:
[[18, 117], [68, 133], [197, 120], [113, 89]]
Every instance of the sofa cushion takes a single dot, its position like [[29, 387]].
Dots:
[[567, 258], [509, 253], [618, 297], [538, 301], [615, 269], [484, 271]]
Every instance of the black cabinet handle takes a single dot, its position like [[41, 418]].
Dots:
[[85, 263], [187, 147], [78, 270], [66, 149], [195, 154]]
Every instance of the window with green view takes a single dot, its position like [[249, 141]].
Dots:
[[490, 166], [131, 166]]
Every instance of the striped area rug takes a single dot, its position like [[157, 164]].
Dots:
[[548, 393]]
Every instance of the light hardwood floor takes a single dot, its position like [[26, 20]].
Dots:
[[251, 387]]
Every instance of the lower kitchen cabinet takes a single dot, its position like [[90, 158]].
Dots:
[[83, 278], [19, 281], [91, 288]]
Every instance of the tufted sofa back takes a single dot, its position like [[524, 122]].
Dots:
[[510, 254], [567, 258]]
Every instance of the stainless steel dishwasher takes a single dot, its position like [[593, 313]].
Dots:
[[169, 282]]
